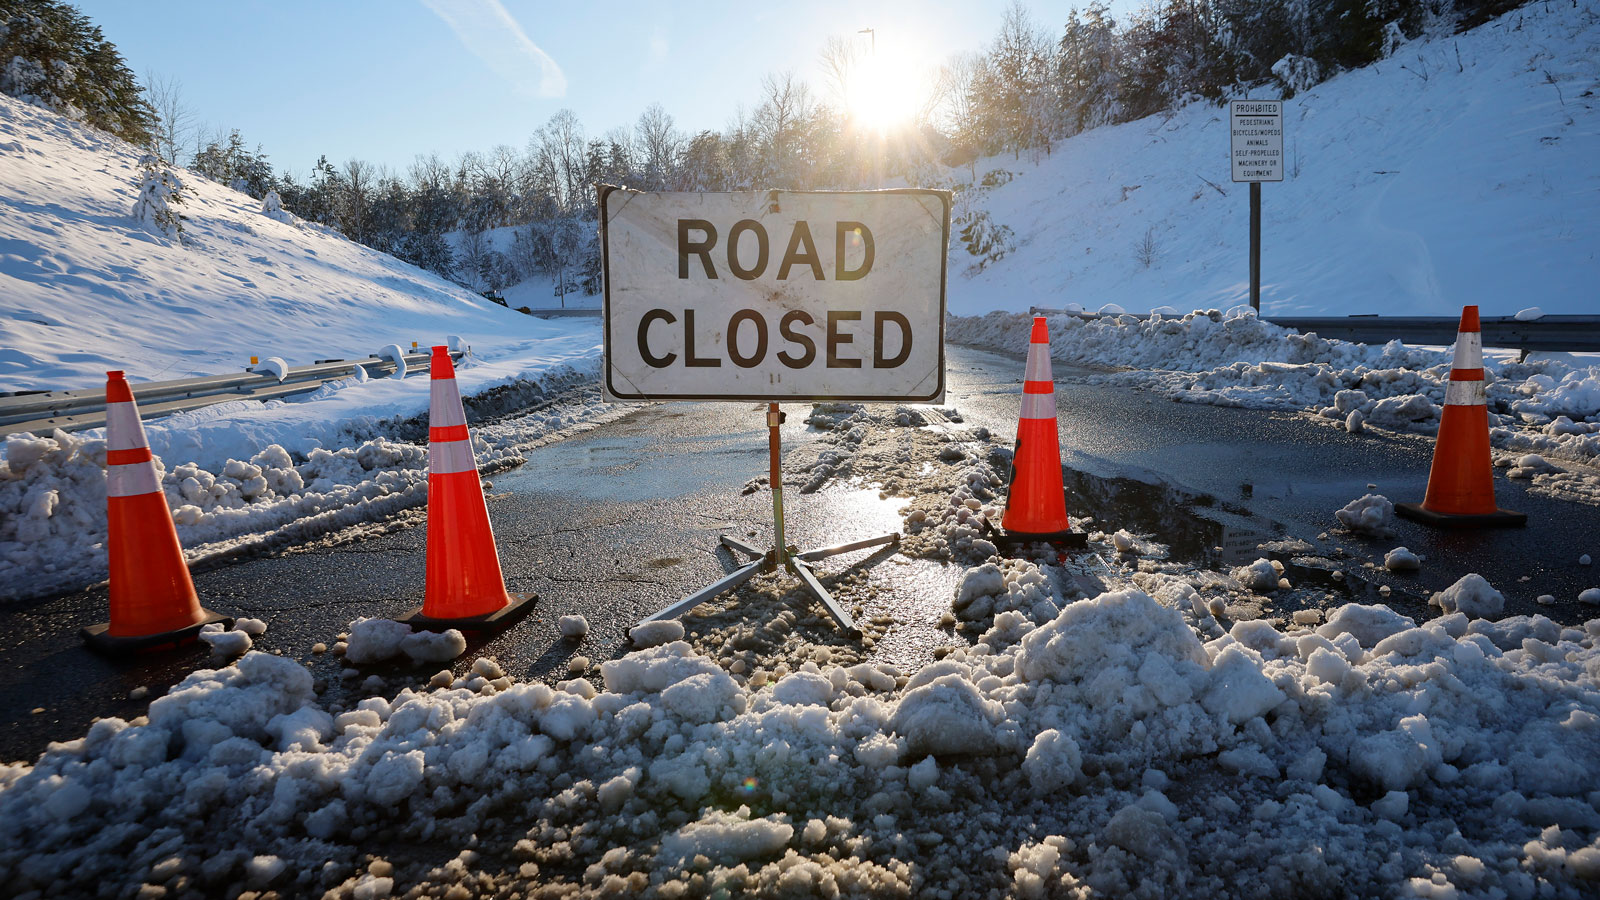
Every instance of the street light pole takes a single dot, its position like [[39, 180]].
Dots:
[[872, 33]]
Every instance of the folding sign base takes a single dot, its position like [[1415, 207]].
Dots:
[[796, 561]]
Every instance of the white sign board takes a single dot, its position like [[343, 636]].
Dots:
[[1257, 145], [774, 295]]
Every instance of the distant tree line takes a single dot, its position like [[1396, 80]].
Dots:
[[1028, 90]]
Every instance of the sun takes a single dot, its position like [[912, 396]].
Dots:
[[883, 93]]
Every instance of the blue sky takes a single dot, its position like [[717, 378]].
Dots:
[[385, 80]]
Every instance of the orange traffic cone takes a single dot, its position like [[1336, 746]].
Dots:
[[152, 597], [464, 586], [1036, 503], [1461, 482]]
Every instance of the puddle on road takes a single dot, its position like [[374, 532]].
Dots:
[[636, 467]]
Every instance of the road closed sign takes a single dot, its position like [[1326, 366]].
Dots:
[[774, 295], [1257, 139]]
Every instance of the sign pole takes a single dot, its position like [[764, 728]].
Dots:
[[1255, 246], [1255, 154], [775, 479]]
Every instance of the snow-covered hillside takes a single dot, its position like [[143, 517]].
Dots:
[[1461, 170], [85, 288]]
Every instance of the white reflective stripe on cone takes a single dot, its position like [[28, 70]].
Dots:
[[131, 480], [124, 431], [1465, 393], [1469, 350], [1038, 368], [449, 457], [444, 408], [1038, 406]]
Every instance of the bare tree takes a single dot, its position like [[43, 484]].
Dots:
[[658, 145], [840, 57], [360, 181], [785, 104], [557, 150], [174, 118]]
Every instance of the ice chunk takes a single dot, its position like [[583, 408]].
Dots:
[[1053, 762], [1239, 690], [1590, 596], [947, 716], [1367, 624], [923, 775], [1392, 805], [804, 688], [725, 838], [703, 697]]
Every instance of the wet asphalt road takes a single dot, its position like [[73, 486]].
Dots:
[[624, 519], [1184, 469]]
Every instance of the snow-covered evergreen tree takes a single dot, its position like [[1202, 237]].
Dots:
[[159, 191], [52, 56], [272, 208]]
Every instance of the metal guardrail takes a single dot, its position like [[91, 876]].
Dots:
[[75, 410], [1571, 334], [571, 312]]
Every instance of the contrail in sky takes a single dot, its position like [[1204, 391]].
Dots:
[[492, 35]]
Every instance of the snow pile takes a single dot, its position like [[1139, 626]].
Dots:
[[1371, 515], [241, 487], [1188, 761], [377, 640]]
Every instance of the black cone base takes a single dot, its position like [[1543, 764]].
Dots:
[[500, 618], [1500, 518], [98, 638]]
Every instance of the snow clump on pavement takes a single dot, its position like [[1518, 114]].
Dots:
[[1472, 595], [574, 628], [377, 640], [1401, 559], [225, 644], [1371, 515], [1261, 576]]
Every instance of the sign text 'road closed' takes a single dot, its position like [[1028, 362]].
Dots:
[[774, 295], [1256, 139]]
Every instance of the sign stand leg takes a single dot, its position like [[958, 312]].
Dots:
[[1255, 246], [796, 561]]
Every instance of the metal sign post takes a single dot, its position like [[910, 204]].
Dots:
[[1256, 155], [775, 295]]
